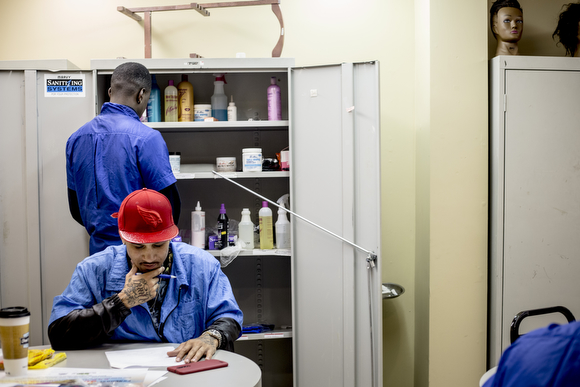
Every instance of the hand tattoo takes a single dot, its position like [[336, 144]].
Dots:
[[209, 340], [137, 292]]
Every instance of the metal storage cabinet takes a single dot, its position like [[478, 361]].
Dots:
[[534, 191], [323, 298], [41, 242]]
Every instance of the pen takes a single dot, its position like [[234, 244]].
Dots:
[[168, 276]]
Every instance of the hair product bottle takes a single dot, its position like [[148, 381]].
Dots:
[[198, 227], [185, 91], [171, 103], [282, 230], [274, 101], [223, 227], [219, 101], [266, 234], [154, 103], [232, 110], [246, 230]]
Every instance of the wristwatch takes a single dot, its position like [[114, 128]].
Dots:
[[216, 335]]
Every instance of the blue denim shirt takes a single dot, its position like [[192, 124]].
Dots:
[[199, 295]]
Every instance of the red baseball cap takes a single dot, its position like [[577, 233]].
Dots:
[[146, 216]]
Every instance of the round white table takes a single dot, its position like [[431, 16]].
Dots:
[[240, 372]]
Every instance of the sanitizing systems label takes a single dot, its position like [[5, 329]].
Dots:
[[64, 85]]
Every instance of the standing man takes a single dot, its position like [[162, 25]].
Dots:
[[115, 154], [148, 289]]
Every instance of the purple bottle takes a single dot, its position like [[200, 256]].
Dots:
[[274, 101]]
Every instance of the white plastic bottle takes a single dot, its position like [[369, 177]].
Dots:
[[171, 103], [232, 110], [274, 101], [266, 232], [198, 227], [246, 230], [219, 101], [282, 230]]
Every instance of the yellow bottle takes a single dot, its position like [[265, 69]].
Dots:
[[266, 232], [185, 91]]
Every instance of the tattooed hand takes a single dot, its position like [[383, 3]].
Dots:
[[139, 288], [194, 349]]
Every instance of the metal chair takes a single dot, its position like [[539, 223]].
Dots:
[[515, 328], [515, 325]]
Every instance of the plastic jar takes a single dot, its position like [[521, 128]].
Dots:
[[201, 111], [252, 159], [226, 164], [175, 161]]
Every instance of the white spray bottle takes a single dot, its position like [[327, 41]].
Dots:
[[282, 225], [198, 227], [246, 230]]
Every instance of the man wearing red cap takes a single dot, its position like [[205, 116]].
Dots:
[[119, 293]]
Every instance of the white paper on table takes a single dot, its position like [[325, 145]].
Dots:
[[145, 357]]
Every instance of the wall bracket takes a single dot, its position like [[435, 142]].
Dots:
[[202, 9]]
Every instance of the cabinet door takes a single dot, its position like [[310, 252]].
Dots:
[[19, 260], [335, 183], [63, 242], [539, 167], [42, 243]]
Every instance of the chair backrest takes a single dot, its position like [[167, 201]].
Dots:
[[515, 326]]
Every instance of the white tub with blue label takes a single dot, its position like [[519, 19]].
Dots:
[[252, 159]]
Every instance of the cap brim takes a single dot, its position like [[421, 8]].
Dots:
[[154, 237]]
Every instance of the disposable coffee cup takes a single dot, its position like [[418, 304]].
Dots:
[[14, 337]]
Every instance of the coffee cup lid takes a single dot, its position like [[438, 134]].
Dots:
[[14, 311]]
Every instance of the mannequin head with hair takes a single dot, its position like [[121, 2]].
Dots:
[[567, 29], [506, 20]]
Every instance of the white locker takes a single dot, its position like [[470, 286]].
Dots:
[[534, 192]]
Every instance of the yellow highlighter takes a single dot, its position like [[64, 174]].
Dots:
[[37, 355], [49, 362]]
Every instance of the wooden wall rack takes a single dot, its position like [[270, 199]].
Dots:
[[202, 9]]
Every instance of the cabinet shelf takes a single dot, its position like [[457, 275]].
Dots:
[[204, 171], [256, 252], [202, 126], [275, 334]]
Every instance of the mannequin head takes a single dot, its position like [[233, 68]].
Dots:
[[507, 24], [567, 30], [506, 20]]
